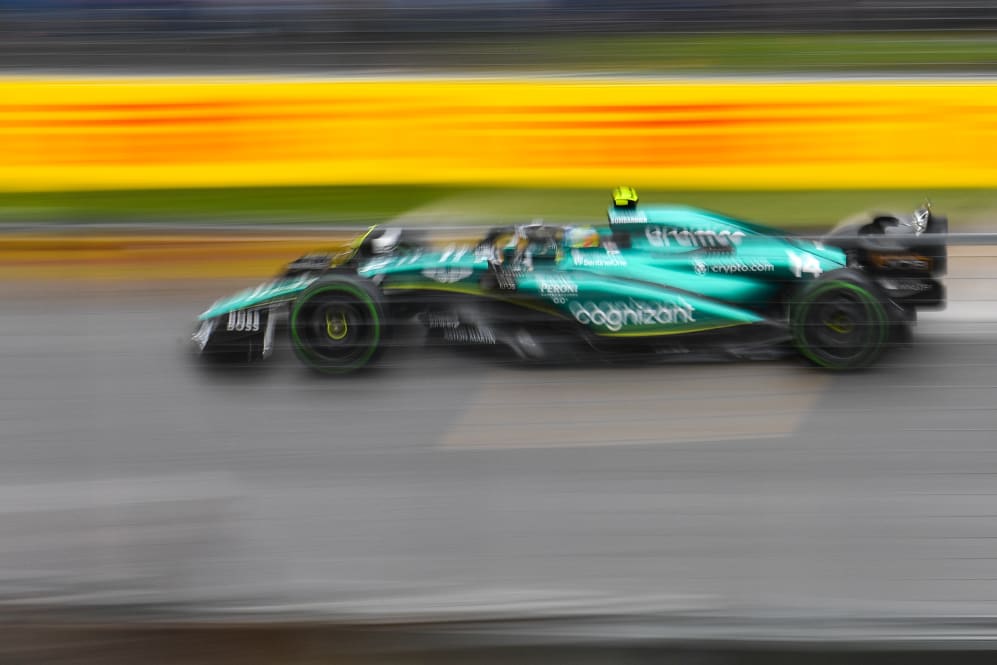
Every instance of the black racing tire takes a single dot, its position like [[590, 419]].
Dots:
[[839, 323], [338, 325]]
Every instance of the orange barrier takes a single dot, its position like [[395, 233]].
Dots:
[[60, 134], [156, 257], [96, 256]]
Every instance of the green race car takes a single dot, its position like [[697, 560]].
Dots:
[[658, 280]]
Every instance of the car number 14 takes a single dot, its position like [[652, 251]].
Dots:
[[801, 265]]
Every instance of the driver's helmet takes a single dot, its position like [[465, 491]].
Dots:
[[578, 237], [384, 241]]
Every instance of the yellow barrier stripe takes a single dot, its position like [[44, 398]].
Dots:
[[123, 133]]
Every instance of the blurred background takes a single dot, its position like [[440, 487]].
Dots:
[[410, 34], [418, 102], [156, 155]]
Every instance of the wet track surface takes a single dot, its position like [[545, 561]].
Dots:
[[452, 483]]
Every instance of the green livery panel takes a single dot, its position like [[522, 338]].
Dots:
[[698, 273], [268, 293]]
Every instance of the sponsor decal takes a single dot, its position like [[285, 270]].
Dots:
[[906, 285], [244, 320], [733, 267], [666, 236], [557, 288], [469, 335], [440, 321], [912, 262], [596, 260], [505, 279], [447, 275], [628, 217], [615, 315]]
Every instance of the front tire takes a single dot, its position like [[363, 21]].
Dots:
[[839, 324], [337, 325]]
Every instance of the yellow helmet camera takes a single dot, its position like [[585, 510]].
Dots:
[[625, 197]]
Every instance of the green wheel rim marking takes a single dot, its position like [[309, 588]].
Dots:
[[863, 294], [316, 361], [336, 329]]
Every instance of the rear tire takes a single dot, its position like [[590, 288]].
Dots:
[[839, 324], [337, 325]]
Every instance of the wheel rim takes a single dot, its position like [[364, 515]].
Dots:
[[336, 325], [839, 322], [835, 330], [336, 329], [842, 326]]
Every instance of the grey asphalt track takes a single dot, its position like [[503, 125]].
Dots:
[[452, 484]]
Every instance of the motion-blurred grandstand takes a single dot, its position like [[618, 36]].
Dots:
[[402, 33]]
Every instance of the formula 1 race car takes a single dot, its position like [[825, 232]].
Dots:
[[657, 280]]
